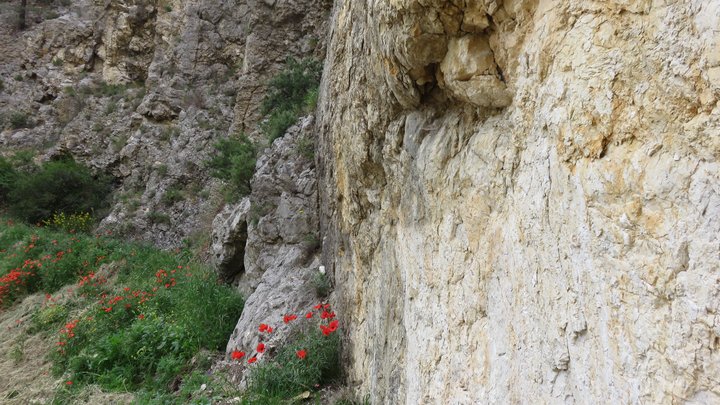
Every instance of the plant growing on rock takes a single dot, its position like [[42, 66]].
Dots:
[[234, 162], [291, 93]]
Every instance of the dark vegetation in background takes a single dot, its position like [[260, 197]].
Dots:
[[34, 193]]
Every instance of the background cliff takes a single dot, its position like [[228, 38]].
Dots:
[[142, 89], [521, 199]]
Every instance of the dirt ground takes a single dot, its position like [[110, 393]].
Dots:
[[25, 370]]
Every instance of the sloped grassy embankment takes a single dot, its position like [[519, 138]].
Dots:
[[93, 319]]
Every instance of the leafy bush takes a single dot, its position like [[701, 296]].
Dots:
[[8, 175], [292, 92], [158, 218], [234, 162], [172, 195], [61, 186], [19, 119]]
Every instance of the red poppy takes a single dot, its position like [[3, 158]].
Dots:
[[261, 347], [301, 354], [288, 318], [318, 306], [309, 315], [263, 327], [237, 355], [141, 316], [252, 360], [333, 325], [68, 383], [269, 329]]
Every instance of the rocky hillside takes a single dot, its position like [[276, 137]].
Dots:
[[143, 89]]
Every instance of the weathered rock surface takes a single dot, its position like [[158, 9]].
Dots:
[[281, 255], [542, 232], [229, 236], [143, 90]]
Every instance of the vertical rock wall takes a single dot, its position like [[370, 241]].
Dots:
[[522, 199]]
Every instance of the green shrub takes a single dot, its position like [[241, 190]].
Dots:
[[8, 175], [321, 283], [278, 123], [291, 93], [172, 195], [158, 218], [19, 120], [57, 186], [305, 147], [234, 162]]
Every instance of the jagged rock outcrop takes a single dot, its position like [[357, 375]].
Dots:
[[520, 199], [281, 255]]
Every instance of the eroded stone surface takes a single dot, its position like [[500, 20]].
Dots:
[[281, 256], [562, 249]]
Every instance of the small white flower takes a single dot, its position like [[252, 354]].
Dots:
[[321, 269]]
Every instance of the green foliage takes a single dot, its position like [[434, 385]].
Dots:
[[278, 123], [120, 351], [321, 283], [8, 175], [103, 89], [291, 93], [234, 162], [81, 222], [48, 318], [172, 195], [158, 218], [19, 119], [305, 147], [57, 186], [286, 375], [163, 312]]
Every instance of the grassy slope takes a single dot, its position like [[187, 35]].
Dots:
[[163, 314]]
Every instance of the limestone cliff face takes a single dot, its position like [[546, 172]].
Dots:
[[522, 199]]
